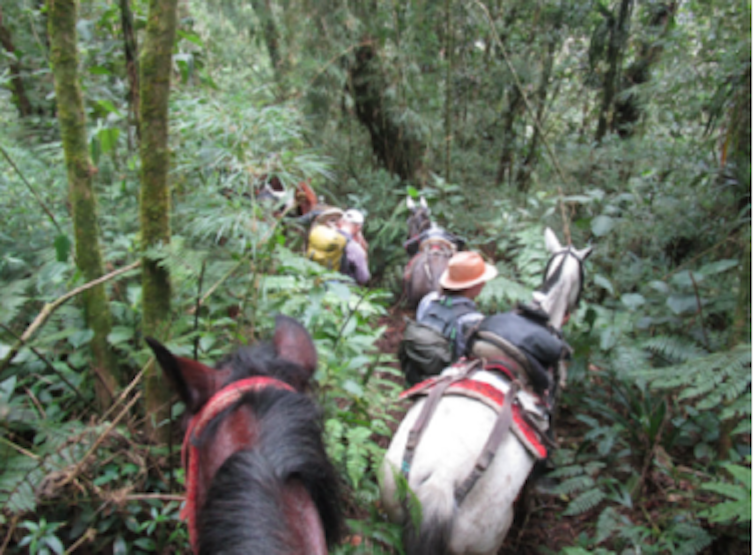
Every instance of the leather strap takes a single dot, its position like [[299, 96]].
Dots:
[[497, 435], [433, 399]]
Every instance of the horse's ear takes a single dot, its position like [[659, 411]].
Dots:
[[410, 204], [293, 343], [423, 202], [583, 253], [194, 382], [551, 241]]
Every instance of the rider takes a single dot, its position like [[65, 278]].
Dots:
[[355, 262], [413, 244], [461, 282]]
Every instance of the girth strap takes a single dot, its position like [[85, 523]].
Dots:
[[433, 399], [497, 435]]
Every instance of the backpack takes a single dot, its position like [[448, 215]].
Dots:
[[428, 347], [523, 337], [326, 246]]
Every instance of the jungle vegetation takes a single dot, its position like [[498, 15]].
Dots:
[[125, 174]]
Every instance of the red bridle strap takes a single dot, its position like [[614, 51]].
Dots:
[[226, 397]]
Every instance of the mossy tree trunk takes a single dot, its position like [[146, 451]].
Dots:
[[154, 202], [131, 51], [263, 10], [394, 145], [618, 40], [20, 98], [739, 164], [62, 18]]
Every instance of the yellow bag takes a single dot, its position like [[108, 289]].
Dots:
[[326, 246]]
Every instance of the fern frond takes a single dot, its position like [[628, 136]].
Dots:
[[574, 485], [585, 502], [674, 348], [693, 538]]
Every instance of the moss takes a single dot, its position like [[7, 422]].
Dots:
[[70, 109], [155, 66]]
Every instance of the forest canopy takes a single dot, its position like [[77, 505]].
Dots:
[[133, 135]]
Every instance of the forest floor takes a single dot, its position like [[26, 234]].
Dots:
[[540, 531]]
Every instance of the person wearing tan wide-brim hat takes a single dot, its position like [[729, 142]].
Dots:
[[466, 269], [453, 309]]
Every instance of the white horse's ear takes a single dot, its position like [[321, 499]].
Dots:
[[423, 202], [583, 253], [410, 204], [551, 241]]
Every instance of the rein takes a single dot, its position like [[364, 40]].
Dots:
[[223, 399]]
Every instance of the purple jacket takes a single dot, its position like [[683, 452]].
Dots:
[[354, 263]]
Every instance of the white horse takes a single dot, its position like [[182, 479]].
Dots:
[[456, 434]]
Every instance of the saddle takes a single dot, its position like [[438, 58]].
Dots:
[[526, 415]]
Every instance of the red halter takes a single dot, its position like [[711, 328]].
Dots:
[[220, 401]]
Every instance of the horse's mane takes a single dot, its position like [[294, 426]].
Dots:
[[241, 514]]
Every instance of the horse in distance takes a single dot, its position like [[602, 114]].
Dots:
[[430, 248]]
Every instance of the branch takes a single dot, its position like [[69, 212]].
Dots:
[[33, 192], [99, 440], [49, 308]]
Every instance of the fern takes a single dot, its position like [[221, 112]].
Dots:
[[17, 483], [585, 502], [674, 348], [713, 379], [738, 507]]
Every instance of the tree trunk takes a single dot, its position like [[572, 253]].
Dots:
[[70, 108], [628, 110], [618, 38], [739, 122], [509, 135], [392, 143], [20, 99], [263, 9], [448, 88], [525, 169], [154, 202], [131, 51]]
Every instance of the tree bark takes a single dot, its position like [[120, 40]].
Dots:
[[20, 99], [628, 111], [70, 108], [131, 51], [509, 136], [263, 9], [618, 38], [154, 202], [393, 144], [525, 169]]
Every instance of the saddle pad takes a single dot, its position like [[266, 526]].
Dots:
[[492, 397]]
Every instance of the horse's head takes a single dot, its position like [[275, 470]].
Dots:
[[224, 402], [563, 279], [290, 357], [419, 220]]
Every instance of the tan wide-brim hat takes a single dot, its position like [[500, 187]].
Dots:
[[465, 270]]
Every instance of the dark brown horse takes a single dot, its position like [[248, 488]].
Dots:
[[258, 479], [430, 249]]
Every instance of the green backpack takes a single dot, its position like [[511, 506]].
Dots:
[[424, 352], [427, 348]]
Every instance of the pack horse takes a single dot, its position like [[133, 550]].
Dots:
[[257, 476], [471, 438]]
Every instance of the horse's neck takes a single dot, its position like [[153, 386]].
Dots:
[[554, 303]]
